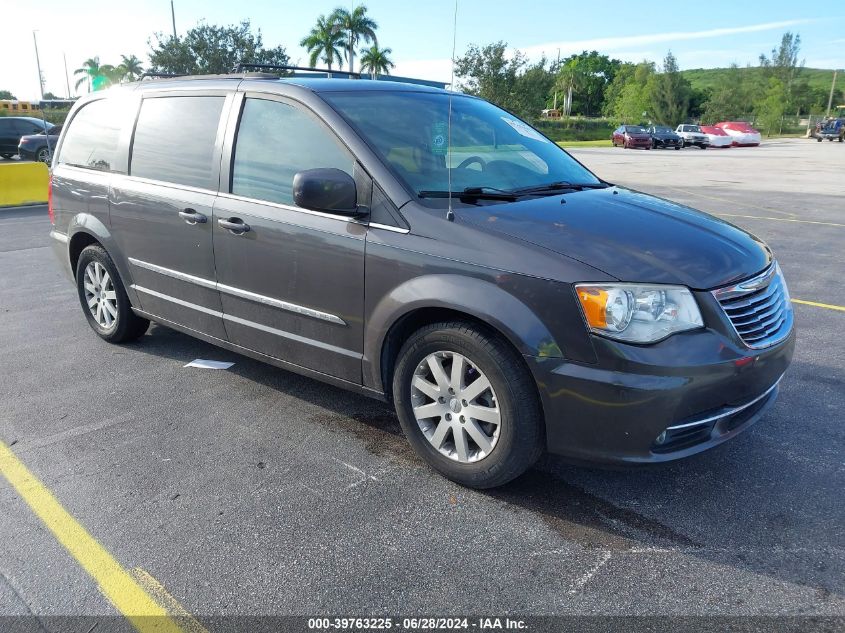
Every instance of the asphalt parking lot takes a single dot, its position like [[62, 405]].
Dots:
[[255, 491]]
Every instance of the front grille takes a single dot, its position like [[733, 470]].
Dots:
[[758, 308]]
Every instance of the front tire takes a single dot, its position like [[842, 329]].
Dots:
[[467, 404], [103, 298]]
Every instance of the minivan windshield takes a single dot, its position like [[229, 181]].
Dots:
[[490, 148]]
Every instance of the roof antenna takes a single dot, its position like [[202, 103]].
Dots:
[[450, 214]]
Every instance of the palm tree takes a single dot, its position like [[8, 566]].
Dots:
[[131, 66], [376, 60], [90, 68], [111, 74], [356, 26], [323, 40]]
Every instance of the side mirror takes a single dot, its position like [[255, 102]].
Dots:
[[327, 189]]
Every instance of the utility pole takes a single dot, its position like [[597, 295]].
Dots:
[[67, 80], [173, 18], [830, 98], [38, 63]]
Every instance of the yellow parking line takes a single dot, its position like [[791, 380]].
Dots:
[[819, 305], [128, 597], [761, 217]]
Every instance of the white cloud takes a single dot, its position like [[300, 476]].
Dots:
[[610, 44]]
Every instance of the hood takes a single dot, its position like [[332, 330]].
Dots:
[[638, 134], [665, 135], [631, 236]]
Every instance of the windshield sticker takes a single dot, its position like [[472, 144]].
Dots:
[[439, 138], [525, 130]]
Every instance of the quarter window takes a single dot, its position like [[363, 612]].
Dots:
[[276, 140], [91, 139], [175, 140]]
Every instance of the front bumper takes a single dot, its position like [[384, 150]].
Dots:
[[698, 388], [667, 142]]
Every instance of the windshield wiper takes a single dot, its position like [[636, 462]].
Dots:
[[474, 193], [560, 185]]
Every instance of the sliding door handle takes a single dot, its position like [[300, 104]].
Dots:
[[191, 216]]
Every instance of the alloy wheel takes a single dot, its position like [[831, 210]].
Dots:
[[455, 407], [100, 295]]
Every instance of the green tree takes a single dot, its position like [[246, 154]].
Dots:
[[130, 67], [323, 40], [633, 104], [533, 90], [87, 72], [6, 95], [670, 93], [356, 27], [211, 49], [729, 98], [784, 66], [489, 74], [771, 108], [586, 76], [613, 91], [376, 60]]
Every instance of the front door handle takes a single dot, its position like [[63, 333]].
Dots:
[[234, 225], [192, 217]]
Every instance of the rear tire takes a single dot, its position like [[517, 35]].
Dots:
[[441, 425], [103, 298], [43, 155]]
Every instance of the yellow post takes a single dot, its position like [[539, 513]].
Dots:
[[23, 183]]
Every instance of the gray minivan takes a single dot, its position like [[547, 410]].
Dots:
[[426, 248]]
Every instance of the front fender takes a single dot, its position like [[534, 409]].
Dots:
[[489, 302]]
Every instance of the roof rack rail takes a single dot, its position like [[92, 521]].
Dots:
[[243, 66], [147, 75]]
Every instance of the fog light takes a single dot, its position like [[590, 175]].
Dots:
[[660, 438]]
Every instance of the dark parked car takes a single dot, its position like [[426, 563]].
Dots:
[[12, 128], [662, 136], [629, 136], [505, 299], [39, 146]]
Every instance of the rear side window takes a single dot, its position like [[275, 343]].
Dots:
[[175, 140], [91, 139], [276, 140]]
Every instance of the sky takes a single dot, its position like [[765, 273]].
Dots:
[[701, 35]]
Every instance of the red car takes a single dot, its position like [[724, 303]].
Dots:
[[741, 133], [631, 136], [716, 136]]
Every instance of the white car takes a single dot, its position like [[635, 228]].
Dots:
[[716, 136], [692, 135], [741, 133]]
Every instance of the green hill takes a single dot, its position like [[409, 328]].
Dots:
[[818, 78]]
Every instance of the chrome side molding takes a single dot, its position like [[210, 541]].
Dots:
[[239, 292]]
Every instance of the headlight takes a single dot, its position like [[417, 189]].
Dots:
[[638, 313]]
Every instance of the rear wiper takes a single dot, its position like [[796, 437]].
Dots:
[[473, 193], [561, 185]]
